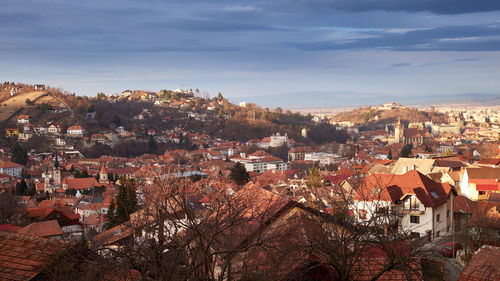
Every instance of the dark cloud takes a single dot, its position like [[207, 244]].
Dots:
[[401, 64], [450, 38], [434, 6]]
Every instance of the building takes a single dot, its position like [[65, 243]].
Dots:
[[39, 87], [479, 183], [75, 131], [261, 161], [10, 168], [419, 202], [23, 119], [412, 136], [298, 153], [54, 129]]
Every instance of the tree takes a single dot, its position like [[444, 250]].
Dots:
[[101, 96], [126, 204], [314, 179], [152, 144], [406, 150], [8, 208], [239, 174], [427, 148], [21, 187], [448, 152], [29, 102], [389, 155], [19, 155]]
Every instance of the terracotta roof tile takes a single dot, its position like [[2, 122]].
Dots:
[[24, 257]]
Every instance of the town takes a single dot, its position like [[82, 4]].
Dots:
[[175, 185]]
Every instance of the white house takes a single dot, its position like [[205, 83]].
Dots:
[[60, 142], [54, 129], [479, 183], [10, 168], [23, 119], [75, 131], [421, 205]]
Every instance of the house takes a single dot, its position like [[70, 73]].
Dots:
[[25, 136], [75, 131], [39, 87], [23, 119], [45, 229], [424, 166], [421, 202], [479, 183], [99, 138], [19, 263], [79, 183], [12, 132], [298, 153], [60, 142], [10, 168], [54, 129]]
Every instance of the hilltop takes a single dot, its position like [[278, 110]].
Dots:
[[388, 114], [122, 123]]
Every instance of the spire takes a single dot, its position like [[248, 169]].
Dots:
[[399, 121], [103, 170], [56, 162]]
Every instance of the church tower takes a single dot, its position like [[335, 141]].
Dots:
[[56, 173], [398, 132], [103, 175]]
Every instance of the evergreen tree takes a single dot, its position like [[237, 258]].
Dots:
[[152, 144], [20, 188], [406, 150], [389, 155], [111, 216], [19, 155], [239, 174], [126, 204]]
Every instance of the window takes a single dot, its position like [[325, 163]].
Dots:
[[438, 217], [415, 235], [482, 192], [414, 205], [362, 214], [434, 195], [414, 219]]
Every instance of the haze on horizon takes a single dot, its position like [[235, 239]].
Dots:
[[253, 48]]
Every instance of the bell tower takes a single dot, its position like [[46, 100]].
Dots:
[[398, 132]]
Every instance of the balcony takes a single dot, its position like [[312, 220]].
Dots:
[[414, 212]]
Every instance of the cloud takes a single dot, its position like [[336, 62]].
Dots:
[[433, 6], [480, 38], [210, 25], [241, 8], [401, 64]]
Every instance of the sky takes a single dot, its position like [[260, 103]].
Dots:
[[254, 48]]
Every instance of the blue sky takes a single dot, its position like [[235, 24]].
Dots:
[[254, 48]]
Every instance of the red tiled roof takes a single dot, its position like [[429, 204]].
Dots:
[[483, 266], [42, 229], [81, 183], [9, 164], [391, 187], [23, 257]]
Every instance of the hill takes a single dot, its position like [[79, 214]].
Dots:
[[372, 115], [166, 113]]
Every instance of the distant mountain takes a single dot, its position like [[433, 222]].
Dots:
[[352, 99]]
